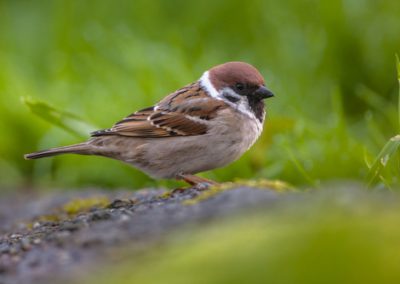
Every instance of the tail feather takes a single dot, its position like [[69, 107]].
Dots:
[[82, 149]]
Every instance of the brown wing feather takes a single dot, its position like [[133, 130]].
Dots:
[[183, 113]]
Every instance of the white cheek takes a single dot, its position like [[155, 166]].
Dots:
[[242, 105]]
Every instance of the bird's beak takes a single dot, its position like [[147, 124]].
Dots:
[[263, 93]]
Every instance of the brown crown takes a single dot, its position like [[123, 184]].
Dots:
[[230, 73]]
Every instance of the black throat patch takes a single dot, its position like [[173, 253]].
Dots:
[[257, 106]]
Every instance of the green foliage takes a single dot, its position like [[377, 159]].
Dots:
[[330, 65], [388, 159], [340, 236]]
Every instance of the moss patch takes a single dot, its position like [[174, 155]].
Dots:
[[262, 184], [85, 204]]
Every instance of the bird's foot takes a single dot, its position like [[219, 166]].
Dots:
[[196, 182]]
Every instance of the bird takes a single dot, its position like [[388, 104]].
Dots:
[[202, 126]]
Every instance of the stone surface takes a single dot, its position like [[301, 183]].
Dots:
[[60, 234]]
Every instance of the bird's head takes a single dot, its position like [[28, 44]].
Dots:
[[239, 84]]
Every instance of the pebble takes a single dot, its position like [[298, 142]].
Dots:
[[118, 203], [4, 247], [26, 243], [15, 236], [36, 225]]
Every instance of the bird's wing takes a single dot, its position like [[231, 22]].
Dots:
[[186, 112]]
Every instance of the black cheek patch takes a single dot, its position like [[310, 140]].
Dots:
[[231, 98]]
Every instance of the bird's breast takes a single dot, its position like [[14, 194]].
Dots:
[[236, 130]]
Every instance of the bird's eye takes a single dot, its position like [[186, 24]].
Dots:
[[239, 86]]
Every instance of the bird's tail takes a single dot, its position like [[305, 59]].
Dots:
[[82, 149]]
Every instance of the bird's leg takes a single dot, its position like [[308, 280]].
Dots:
[[198, 182]]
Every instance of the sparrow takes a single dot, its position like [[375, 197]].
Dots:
[[202, 126]]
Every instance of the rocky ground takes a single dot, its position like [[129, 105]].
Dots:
[[49, 238]]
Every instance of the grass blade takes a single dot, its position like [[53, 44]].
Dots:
[[301, 168], [63, 119], [398, 79], [388, 151]]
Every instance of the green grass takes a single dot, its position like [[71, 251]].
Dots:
[[331, 65]]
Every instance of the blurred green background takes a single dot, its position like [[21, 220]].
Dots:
[[331, 65]]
